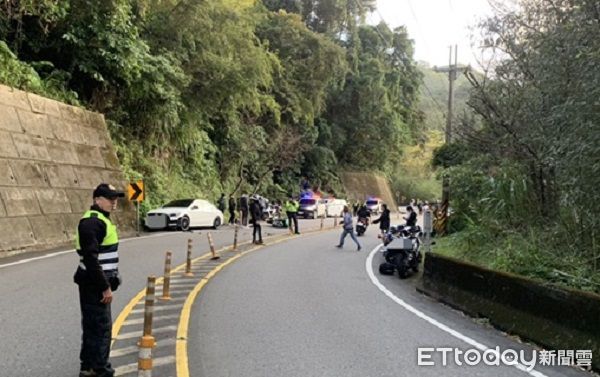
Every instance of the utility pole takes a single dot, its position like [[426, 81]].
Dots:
[[453, 70]]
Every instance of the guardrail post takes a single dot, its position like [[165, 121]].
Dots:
[[235, 237], [167, 277], [335, 221], [188, 261], [147, 342], [212, 247], [322, 221]]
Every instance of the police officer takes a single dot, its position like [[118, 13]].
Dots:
[[98, 276], [291, 210]]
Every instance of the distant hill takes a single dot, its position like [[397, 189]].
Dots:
[[434, 96]]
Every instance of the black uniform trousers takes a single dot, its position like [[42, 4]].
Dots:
[[96, 322], [293, 217]]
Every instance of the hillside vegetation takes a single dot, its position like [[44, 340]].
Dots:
[[524, 169], [203, 97]]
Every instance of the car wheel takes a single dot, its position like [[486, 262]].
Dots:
[[216, 223], [184, 223]]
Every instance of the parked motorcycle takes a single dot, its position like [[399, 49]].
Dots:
[[361, 225], [401, 251]]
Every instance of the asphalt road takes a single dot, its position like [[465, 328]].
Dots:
[[39, 308], [300, 307], [306, 308]]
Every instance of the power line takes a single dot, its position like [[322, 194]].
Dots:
[[414, 14], [420, 31]]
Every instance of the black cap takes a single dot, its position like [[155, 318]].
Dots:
[[107, 191]]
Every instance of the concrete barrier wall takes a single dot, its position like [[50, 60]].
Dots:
[[558, 319], [52, 155], [359, 186]]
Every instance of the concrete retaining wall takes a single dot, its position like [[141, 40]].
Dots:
[[52, 155], [558, 319], [359, 186]]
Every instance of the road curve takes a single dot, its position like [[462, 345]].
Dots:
[[306, 308]]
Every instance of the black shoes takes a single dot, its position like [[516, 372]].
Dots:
[[339, 246], [92, 373]]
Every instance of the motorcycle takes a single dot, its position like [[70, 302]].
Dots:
[[279, 221], [401, 251], [361, 225]]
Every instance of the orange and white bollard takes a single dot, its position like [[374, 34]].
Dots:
[[212, 247], [188, 261], [167, 277], [147, 342]]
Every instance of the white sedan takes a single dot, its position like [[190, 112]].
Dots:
[[184, 214]]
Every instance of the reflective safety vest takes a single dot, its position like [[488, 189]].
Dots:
[[108, 256], [291, 206]]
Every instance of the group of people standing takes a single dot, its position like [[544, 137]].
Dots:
[[248, 206], [252, 208]]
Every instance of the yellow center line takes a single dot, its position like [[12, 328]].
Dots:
[[181, 354], [181, 348], [118, 323]]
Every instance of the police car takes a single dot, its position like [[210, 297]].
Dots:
[[312, 206], [373, 204]]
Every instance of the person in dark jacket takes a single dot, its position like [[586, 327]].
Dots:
[[411, 219], [255, 217], [363, 212], [244, 209], [97, 276], [384, 219], [221, 203], [231, 210]]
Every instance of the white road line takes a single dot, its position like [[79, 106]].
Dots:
[[161, 301], [23, 261], [118, 352], [183, 283], [181, 288], [135, 334], [131, 368], [436, 323], [139, 321], [158, 308]]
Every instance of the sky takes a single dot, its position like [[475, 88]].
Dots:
[[434, 25]]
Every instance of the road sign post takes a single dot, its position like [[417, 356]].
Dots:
[[136, 194]]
